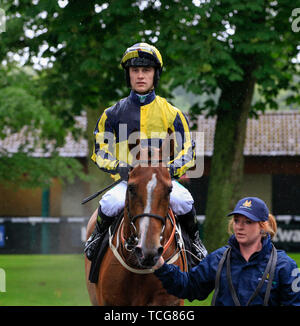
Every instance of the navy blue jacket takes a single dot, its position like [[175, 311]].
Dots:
[[200, 281]]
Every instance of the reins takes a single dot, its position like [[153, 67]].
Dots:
[[171, 238]]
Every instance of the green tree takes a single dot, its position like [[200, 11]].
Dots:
[[82, 43], [209, 47], [234, 45], [24, 108], [22, 111]]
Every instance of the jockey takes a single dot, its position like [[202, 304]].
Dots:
[[152, 117]]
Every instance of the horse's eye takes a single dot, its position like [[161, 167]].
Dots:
[[170, 189], [131, 188]]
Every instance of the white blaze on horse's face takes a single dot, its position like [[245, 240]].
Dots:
[[144, 222], [150, 187]]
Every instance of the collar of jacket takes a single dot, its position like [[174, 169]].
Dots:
[[265, 250], [150, 98]]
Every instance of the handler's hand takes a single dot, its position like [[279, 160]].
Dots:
[[159, 263]]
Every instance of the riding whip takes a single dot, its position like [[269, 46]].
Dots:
[[100, 192]]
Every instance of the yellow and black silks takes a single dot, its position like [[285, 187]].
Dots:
[[151, 120]]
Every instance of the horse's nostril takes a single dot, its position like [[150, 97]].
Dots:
[[157, 255], [148, 257], [139, 252], [160, 250]]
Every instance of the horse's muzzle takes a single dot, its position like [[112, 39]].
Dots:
[[147, 258]]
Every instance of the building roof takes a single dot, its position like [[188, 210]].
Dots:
[[272, 134], [72, 147]]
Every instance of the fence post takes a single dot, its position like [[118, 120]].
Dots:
[[2, 280], [45, 214]]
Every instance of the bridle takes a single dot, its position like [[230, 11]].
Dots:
[[158, 217], [132, 219], [129, 243], [121, 243]]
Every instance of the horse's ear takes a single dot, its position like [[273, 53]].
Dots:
[[167, 147]]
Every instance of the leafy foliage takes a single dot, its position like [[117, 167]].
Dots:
[[222, 49], [23, 111], [23, 171]]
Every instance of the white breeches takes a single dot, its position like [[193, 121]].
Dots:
[[113, 201]]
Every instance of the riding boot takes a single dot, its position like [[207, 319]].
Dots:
[[102, 225], [190, 225]]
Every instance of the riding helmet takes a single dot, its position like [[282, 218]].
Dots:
[[142, 55]]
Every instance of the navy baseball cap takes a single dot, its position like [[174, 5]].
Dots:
[[253, 208]]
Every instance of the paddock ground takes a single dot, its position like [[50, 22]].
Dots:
[[53, 280]]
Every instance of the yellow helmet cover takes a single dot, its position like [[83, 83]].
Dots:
[[142, 50]]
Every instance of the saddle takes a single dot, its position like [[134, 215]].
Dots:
[[104, 243]]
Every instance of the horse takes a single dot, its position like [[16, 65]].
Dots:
[[147, 231]]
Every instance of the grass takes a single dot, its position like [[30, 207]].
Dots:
[[54, 280], [44, 280]]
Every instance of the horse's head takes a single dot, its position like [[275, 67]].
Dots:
[[147, 204]]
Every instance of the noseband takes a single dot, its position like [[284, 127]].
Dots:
[[158, 217], [132, 240]]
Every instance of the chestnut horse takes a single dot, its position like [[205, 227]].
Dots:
[[147, 231]]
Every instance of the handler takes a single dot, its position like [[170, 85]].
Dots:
[[248, 271], [152, 117]]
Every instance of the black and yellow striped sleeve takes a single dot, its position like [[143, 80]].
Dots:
[[184, 145], [104, 152]]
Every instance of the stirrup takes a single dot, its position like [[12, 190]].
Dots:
[[91, 245], [198, 247]]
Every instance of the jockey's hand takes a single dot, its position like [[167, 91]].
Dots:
[[123, 170], [171, 169]]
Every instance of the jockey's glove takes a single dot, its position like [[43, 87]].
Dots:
[[123, 170], [172, 171]]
